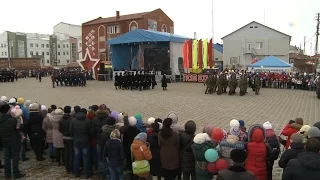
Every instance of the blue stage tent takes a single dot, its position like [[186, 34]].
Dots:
[[145, 36], [270, 62]]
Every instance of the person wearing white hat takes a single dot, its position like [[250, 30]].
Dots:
[[4, 98]]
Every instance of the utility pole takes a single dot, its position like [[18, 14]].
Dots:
[[317, 41], [304, 45], [9, 49]]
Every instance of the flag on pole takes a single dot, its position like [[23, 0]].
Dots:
[[185, 54], [195, 54], [200, 54], [210, 50], [189, 50], [205, 54]]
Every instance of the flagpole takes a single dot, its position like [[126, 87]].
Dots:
[[212, 52]]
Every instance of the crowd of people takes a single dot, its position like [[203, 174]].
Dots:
[[8, 75], [135, 80], [70, 78], [119, 145]]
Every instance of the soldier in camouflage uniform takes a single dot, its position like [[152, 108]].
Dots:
[[257, 84], [219, 84], [233, 83], [209, 85], [214, 82], [242, 85], [224, 83]]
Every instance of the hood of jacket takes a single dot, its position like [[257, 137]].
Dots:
[[256, 133], [56, 117], [102, 114], [174, 116], [80, 116], [140, 126], [66, 116], [310, 160], [108, 128]]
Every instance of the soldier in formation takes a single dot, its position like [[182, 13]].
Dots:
[[8, 75], [138, 80], [69, 78]]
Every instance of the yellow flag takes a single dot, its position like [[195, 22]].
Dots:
[[205, 53], [195, 54]]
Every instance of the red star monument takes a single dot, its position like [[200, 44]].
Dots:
[[89, 64]]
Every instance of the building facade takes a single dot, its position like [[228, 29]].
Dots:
[[97, 32], [254, 41], [218, 55]]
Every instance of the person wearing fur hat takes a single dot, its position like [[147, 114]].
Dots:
[[274, 145], [169, 144], [4, 98], [296, 148], [175, 126], [129, 132], [141, 151], [237, 170], [57, 136], [289, 129], [149, 122], [11, 142], [36, 131], [304, 131], [202, 143], [48, 129]]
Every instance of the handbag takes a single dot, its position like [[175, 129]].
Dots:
[[140, 167]]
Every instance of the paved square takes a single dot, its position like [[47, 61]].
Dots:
[[188, 99]]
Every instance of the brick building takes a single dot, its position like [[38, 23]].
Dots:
[[21, 63], [302, 62], [97, 32]]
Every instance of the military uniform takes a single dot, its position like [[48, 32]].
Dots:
[[257, 84]]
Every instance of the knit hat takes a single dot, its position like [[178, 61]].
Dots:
[[151, 120], [241, 122], [58, 112], [234, 123], [12, 101], [317, 124], [304, 129], [101, 107], [27, 103], [142, 137], [120, 118], [20, 101], [132, 121], [235, 131], [4, 98], [313, 132], [201, 138], [267, 125], [208, 129], [138, 116], [34, 107], [115, 134], [238, 156], [43, 108], [296, 138]]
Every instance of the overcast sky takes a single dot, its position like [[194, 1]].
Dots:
[[293, 17]]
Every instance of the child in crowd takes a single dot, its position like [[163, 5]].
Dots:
[[16, 112]]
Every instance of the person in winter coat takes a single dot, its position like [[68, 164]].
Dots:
[[244, 130], [17, 113], [202, 143], [164, 83], [169, 150], [257, 152], [304, 131], [120, 120], [187, 161], [35, 125], [107, 129], [235, 125], [140, 124], [273, 145], [151, 120], [129, 133], [237, 171], [314, 132], [155, 163], [114, 154], [175, 126], [99, 121], [296, 148], [81, 131], [57, 136], [306, 165], [140, 150], [64, 128], [48, 129], [230, 143], [289, 129]]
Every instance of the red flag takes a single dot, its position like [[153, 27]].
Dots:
[[200, 54], [254, 60], [185, 54], [189, 53], [210, 50]]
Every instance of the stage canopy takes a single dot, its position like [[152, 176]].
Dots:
[[270, 62], [146, 36]]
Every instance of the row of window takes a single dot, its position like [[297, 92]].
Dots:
[[47, 53], [259, 45], [3, 45], [42, 45], [3, 53], [48, 62]]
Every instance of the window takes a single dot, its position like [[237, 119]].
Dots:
[[58, 45], [67, 45], [259, 45], [42, 45], [5, 53], [255, 26], [37, 45], [64, 53], [2, 45], [248, 46], [67, 53], [216, 59], [42, 53], [31, 53], [114, 29], [31, 44], [47, 45], [58, 53], [37, 53], [251, 26], [80, 44], [1, 53], [59, 61], [64, 46], [68, 61], [5, 45], [48, 61], [47, 53]]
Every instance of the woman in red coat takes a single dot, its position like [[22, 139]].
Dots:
[[257, 152], [290, 129]]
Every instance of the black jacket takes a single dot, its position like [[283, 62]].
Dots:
[[292, 153], [305, 167], [81, 131], [127, 138], [155, 162], [235, 172], [8, 133], [113, 150], [187, 161], [64, 125], [35, 123], [98, 122]]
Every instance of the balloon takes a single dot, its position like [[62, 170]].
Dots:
[[211, 155], [221, 164], [217, 134], [212, 168]]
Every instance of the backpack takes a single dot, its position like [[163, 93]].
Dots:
[[274, 145]]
